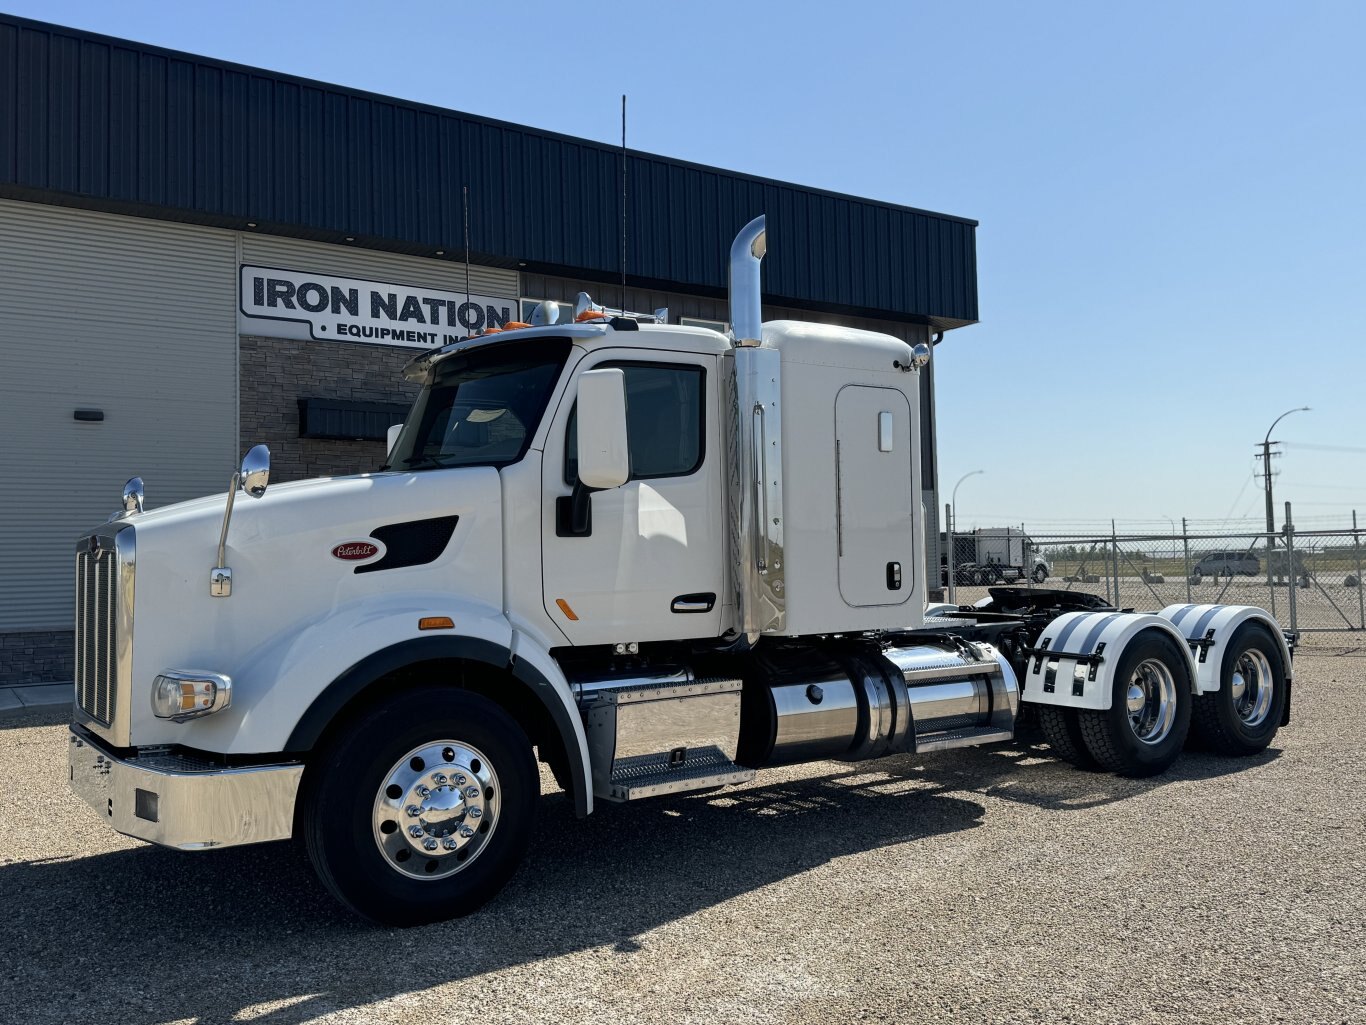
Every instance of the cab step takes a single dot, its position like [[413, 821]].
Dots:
[[653, 775], [968, 736]]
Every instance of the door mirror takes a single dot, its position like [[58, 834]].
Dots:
[[604, 460]]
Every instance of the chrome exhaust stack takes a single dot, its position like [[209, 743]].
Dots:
[[746, 297], [754, 420]]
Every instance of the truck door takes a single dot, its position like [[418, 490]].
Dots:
[[875, 524], [651, 565]]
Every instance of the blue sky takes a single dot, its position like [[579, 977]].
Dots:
[[1173, 230]]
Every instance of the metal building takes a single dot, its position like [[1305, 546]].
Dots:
[[171, 224]]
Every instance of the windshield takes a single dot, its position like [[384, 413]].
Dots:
[[481, 407]]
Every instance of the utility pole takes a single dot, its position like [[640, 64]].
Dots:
[[1266, 474]]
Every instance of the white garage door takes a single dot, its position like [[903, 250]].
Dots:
[[132, 317]]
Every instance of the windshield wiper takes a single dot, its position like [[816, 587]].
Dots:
[[413, 462]]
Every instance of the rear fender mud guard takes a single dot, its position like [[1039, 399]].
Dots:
[[1072, 664]]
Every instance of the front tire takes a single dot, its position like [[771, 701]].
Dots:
[[420, 809], [1241, 718], [1145, 727], [1040, 574]]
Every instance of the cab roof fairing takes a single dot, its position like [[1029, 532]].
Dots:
[[589, 335]]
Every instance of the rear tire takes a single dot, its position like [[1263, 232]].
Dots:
[[421, 809], [1145, 727], [1242, 717], [1063, 733]]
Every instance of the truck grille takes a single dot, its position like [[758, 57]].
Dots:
[[97, 579]]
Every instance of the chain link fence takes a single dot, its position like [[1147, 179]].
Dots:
[[1311, 581]]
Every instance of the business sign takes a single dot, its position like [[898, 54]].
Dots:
[[294, 304]]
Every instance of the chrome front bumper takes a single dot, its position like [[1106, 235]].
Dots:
[[174, 801]]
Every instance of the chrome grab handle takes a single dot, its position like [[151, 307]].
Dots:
[[761, 496]]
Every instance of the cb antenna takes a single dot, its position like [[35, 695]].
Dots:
[[465, 209], [623, 201]]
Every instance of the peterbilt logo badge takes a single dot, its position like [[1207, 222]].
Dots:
[[355, 551], [94, 546]]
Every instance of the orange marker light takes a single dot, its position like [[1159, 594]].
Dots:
[[436, 623], [513, 325], [564, 607], [590, 315]]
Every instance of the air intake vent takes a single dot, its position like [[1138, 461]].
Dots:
[[414, 543]]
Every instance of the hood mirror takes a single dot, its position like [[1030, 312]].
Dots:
[[256, 471], [133, 496]]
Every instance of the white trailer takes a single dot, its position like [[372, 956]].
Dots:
[[657, 558]]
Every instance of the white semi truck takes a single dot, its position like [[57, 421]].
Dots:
[[657, 558], [993, 555]]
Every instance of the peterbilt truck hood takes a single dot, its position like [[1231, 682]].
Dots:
[[312, 563]]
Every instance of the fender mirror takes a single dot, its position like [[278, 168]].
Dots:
[[604, 460]]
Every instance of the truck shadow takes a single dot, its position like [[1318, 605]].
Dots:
[[145, 935]]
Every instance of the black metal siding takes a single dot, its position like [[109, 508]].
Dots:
[[97, 121]]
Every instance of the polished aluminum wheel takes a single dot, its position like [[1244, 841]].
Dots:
[[436, 809], [1252, 687], [1151, 701]]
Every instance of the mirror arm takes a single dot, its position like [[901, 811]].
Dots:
[[574, 512], [227, 518]]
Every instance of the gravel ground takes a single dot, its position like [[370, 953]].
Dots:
[[992, 886]]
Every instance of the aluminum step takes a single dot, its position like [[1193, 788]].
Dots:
[[971, 736], [652, 775]]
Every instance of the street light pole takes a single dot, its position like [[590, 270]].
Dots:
[[953, 524], [1266, 474]]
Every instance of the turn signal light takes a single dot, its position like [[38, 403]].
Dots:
[[181, 694], [436, 623]]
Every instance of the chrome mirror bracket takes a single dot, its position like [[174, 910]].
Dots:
[[220, 577]]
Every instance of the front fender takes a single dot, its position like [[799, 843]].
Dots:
[[1062, 675], [280, 680], [535, 667]]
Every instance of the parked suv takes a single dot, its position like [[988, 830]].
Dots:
[[1226, 564]]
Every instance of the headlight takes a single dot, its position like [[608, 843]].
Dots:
[[181, 694]]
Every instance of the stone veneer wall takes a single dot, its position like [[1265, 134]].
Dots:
[[37, 656], [276, 373]]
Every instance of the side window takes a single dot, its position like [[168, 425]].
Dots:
[[664, 421]]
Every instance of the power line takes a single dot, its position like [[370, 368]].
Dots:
[[1353, 449]]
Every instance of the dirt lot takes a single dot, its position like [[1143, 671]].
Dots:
[[975, 886]]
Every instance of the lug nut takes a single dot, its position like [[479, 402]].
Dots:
[[413, 811], [415, 831], [471, 792], [466, 832], [474, 813], [424, 793], [448, 843], [429, 843], [439, 778], [460, 780]]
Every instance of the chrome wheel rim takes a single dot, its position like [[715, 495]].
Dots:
[[436, 809], [1151, 701], [1252, 687]]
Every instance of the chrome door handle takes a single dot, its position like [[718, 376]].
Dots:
[[693, 603]]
